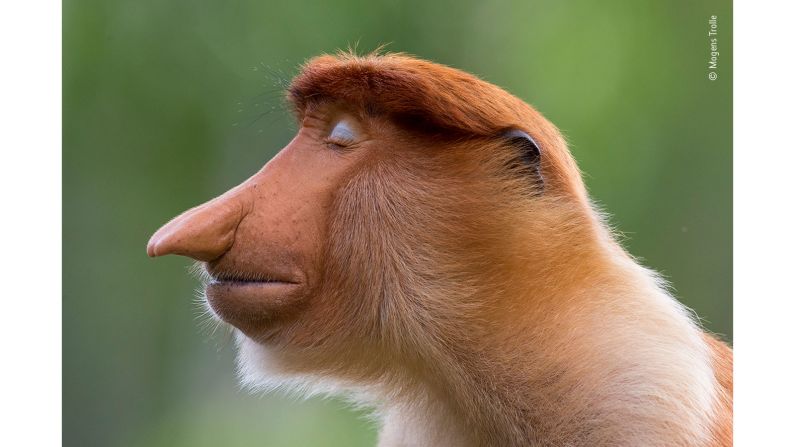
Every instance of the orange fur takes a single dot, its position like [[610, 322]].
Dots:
[[442, 288], [723, 363], [431, 96]]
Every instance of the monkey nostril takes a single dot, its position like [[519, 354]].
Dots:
[[151, 247], [156, 247]]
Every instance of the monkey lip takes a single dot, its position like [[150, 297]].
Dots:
[[249, 282], [250, 304]]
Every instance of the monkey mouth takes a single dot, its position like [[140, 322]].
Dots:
[[225, 278], [250, 303]]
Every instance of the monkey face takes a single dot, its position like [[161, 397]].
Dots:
[[261, 242], [384, 222]]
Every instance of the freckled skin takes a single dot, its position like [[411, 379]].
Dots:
[[270, 227]]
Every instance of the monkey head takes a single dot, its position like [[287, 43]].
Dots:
[[410, 191]]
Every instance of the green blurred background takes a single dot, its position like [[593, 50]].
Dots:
[[169, 103]]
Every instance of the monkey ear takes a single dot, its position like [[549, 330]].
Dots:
[[530, 153]]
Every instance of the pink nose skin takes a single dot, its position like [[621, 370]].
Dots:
[[203, 233]]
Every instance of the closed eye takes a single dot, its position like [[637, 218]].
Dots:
[[341, 135]]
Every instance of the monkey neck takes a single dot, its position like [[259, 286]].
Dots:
[[572, 346]]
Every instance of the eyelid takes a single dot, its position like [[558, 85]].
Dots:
[[342, 132]]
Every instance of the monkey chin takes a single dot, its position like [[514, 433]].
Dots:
[[260, 368], [263, 368], [254, 307]]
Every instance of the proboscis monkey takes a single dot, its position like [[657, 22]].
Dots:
[[425, 246]]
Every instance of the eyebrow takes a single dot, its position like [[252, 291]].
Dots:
[[303, 105], [409, 91]]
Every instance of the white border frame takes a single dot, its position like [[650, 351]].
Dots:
[[30, 230], [764, 223], [30, 223]]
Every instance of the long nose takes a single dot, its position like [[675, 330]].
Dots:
[[203, 233]]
